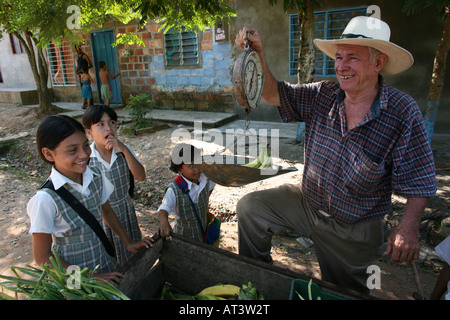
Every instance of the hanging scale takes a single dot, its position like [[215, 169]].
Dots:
[[248, 79]]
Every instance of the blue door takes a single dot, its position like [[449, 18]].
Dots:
[[103, 51]]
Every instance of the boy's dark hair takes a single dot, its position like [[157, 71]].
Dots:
[[95, 113], [101, 64], [181, 154], [85, 68], [54, 129]]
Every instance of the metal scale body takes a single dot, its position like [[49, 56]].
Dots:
[[248, 79]]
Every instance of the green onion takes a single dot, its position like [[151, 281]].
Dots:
[[50, 283]]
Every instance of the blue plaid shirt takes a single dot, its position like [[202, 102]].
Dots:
[[351, 174]]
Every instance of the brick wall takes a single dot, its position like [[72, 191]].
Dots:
[[142, 70]]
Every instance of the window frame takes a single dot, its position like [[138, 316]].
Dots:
[[16, 45], [64, 50], [197, 43], [294, 35]]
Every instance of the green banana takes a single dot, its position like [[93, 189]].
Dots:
[[266, 161], [254, 164], [262, 161]]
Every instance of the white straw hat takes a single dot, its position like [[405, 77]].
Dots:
[[370, 32]]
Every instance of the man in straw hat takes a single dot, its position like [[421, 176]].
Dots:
[[363, 141]]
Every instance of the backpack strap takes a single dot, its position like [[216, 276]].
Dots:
[[83, 213]]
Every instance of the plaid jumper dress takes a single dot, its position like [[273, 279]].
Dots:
[[187, 225], [80, 245], [122, 204]]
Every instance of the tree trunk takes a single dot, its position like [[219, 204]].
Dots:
[[39, 68], [437, 78], [307, 52]]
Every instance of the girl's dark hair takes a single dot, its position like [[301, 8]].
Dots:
[[95, 113], [183, 153], [54, 129]]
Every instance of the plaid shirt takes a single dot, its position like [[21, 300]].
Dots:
[[351, 174]]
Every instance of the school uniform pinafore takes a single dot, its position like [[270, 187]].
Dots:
[[187, 225], [121, 202], [80, 245]]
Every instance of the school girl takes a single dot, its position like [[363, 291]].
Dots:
[[120, 165], [62, 142]]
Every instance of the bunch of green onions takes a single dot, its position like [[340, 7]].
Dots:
[[51, 282]]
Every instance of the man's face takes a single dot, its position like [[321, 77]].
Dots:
[[354, 71]]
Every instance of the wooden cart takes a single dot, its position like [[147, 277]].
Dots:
[[191, 266]]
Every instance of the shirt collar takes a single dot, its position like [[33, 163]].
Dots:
[[201, 181], [96, 154], [59, 179]]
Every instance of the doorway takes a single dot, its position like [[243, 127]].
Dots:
[[103, 51]]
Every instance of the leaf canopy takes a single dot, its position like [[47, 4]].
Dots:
[[49, 20]]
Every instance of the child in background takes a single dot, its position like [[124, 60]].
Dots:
[[177, 203], [104, 77], [86, 90], [116, 160], [62, 142], [443, 282]]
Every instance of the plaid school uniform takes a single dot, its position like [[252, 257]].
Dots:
[[80, 245], [187, 225], [122, 204]]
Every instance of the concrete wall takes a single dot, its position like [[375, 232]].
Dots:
[[419, 34], [15, 68]]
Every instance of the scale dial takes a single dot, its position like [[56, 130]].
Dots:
[[248, 79]]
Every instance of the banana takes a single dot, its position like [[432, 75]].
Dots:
[[254, 164], [223, 290], [206, 297], [262, 161], [266, 160]]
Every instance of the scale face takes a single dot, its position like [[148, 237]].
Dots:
[[248, 79]]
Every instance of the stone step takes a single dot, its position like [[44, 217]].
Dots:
[[20, 96]]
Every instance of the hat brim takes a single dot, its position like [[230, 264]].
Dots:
[[398, 60]]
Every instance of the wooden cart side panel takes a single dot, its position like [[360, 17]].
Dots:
[[140, 280], [191, 268]]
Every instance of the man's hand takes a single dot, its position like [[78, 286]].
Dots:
[[253, 36], [403, 242], [403, 245]]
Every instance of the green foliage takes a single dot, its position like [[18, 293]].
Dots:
[[47, 20], [53, 282], [128, 38], [414, 6], [192, 14], [138, 107]]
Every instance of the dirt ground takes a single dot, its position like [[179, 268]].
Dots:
[[21, 172]]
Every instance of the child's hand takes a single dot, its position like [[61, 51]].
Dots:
[[165, 230], [113, 142], [111, 277], [147, 242]]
